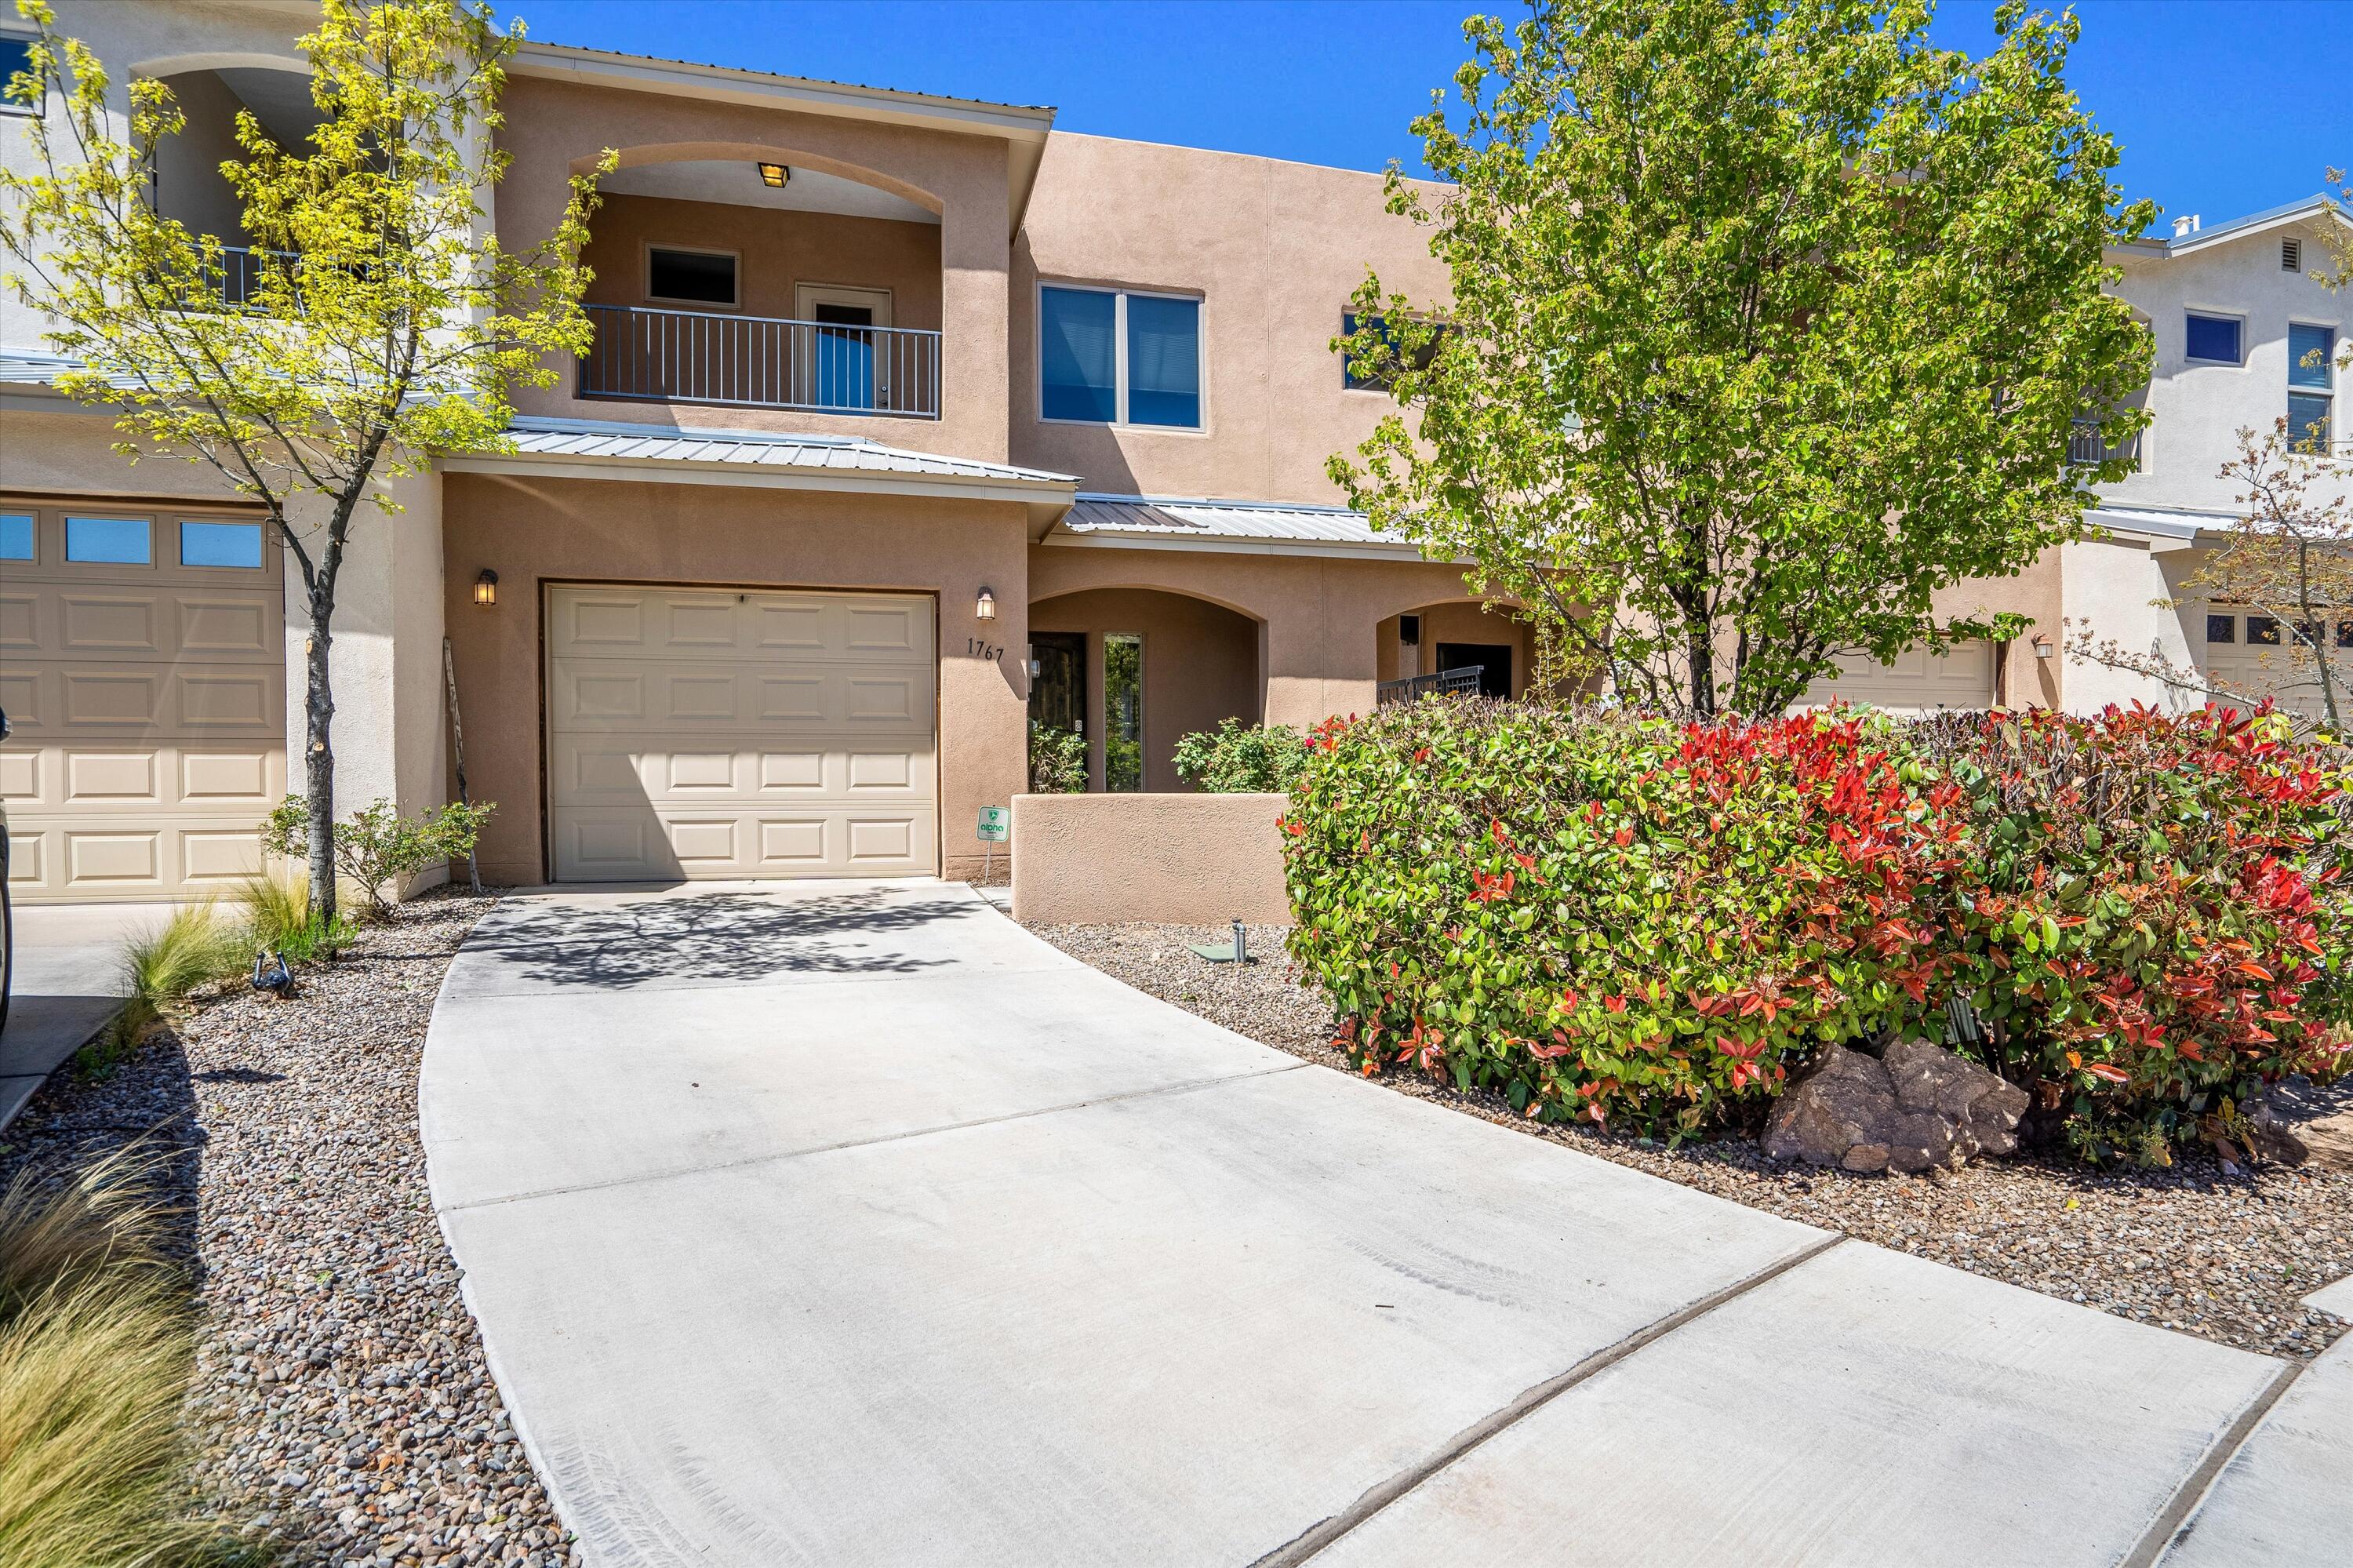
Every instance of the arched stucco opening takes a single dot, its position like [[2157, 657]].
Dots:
[[1195, 664], [1460, 633], [211, 91], [752, 275]]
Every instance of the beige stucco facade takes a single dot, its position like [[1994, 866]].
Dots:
[[1192, 860], [1218, 544]]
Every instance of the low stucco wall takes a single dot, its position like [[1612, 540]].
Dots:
[[1188, 860]]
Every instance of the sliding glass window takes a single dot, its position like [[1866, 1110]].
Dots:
[[1109, 357]]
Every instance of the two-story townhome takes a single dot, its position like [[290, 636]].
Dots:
[[908, 420]]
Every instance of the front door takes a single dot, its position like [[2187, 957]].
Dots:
[[848, 360], [1058, 687]]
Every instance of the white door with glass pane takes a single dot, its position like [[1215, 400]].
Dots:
[[143, 666], [847, 361]]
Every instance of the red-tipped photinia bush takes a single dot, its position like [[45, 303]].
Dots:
[[1653, 926]]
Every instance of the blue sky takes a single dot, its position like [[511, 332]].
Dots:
[[2222, 107]]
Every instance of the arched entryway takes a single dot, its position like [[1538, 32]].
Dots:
[[1135, 670], [1456, 634]]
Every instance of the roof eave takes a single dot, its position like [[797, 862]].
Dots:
[[764, 476], [1232, 545]]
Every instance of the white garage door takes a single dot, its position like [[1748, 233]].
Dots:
[[2258, 656], [143, 665], [710, 733], [1915, 681]]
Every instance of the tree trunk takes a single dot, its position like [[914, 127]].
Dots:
[[318, 757]]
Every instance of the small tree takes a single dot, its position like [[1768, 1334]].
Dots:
[[374, 319], [1768, 320], [379, 848], [2287, 557]]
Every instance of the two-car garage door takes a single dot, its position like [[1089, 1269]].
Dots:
[[714, 734]]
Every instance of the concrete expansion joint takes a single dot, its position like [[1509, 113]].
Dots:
[[1189, 1087], [2172, 1522], [1310, 1542]]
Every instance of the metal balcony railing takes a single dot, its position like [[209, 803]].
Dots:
[[2084, 445], [1463, 683], [760, 362]]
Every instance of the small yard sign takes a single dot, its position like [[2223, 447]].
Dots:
[[996, 824]]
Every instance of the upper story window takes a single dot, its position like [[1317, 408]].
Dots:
[[2214, 338], [2312, 386], [15, 55], [233, 545], [1355, 383], [683, 277], [1109, 356]]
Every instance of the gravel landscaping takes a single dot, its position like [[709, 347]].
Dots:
[[2226, 1256], [341, 1398]]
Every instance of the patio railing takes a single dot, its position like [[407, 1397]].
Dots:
[[760, 362], [1462, 683], [2084, 446]]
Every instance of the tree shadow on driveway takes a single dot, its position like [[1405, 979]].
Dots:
[[713, 937]]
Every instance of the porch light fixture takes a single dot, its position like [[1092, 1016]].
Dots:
[[985, 607], [774, 175], [2042, 646], [486, 587]]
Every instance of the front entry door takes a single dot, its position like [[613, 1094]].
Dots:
[[1058, 691]]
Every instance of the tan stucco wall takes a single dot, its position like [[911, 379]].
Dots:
[[1201, 665], [1273, 250], [777, 252], [1320, 614], [188, 183], [534, 531], [1188, 860], [553, 128]]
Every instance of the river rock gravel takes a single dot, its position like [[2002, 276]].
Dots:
[[2224, 1255], [340, 1400]]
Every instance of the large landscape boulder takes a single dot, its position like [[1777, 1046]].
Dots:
[[1919, 1107], [2293, 1122]]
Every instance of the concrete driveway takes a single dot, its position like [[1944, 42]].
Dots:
[[849, 1224], [65, 981]]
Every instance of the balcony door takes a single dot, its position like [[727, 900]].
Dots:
[[846, 366]]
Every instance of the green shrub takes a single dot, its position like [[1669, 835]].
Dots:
[[1610, 918], [97, 1342], [2152, 920], [377, 846], [1239, 758], [1652, 926], [280, 918], [1058, 760]]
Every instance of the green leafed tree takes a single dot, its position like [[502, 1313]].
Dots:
[[369, 318], [1767, 320]]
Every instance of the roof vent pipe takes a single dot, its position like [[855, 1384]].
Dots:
[[2185, 225]]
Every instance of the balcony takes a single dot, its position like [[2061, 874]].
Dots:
[[649, 355], [2084, 446]]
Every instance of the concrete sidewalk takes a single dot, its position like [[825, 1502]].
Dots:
[[849, 1224], [65, 981]]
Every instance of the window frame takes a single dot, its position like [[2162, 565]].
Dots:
[[2238, 321], [2325, 392], [1120, 294], [65, 539], [32, 535], [9, 107], [180, 526], [1348, 383], [735, 272]]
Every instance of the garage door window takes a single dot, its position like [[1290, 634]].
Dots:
[[236, 544], [16, 536], [108, 541]]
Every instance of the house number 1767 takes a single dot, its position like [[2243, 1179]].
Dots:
[[980, 650]]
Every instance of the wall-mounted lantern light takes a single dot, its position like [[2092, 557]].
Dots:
[[774, 175], [486, 587], [985, 607], [2043, 648]]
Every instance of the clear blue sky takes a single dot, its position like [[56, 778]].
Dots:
[[2222, 107]]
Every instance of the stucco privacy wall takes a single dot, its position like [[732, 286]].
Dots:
[[1201, 665], [1188, 860], [1319, 613], [777, 251], [1273, 250], [554, 128], [532, 532]]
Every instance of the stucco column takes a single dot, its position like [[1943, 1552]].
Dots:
[[390, 732], [984, 697], [976, 254]]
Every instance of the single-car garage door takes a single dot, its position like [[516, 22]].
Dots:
[[712, 733], [143, 665], [1915, 681]]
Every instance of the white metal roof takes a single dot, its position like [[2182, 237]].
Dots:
[[616, 440], [1164, 523]]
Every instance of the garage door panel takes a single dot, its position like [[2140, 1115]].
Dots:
[[810, 752], [111, 626], [1915, 681], [20, 619], [224, 627], [219, 700]]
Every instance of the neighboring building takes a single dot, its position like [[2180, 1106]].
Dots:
[[910, 418]]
